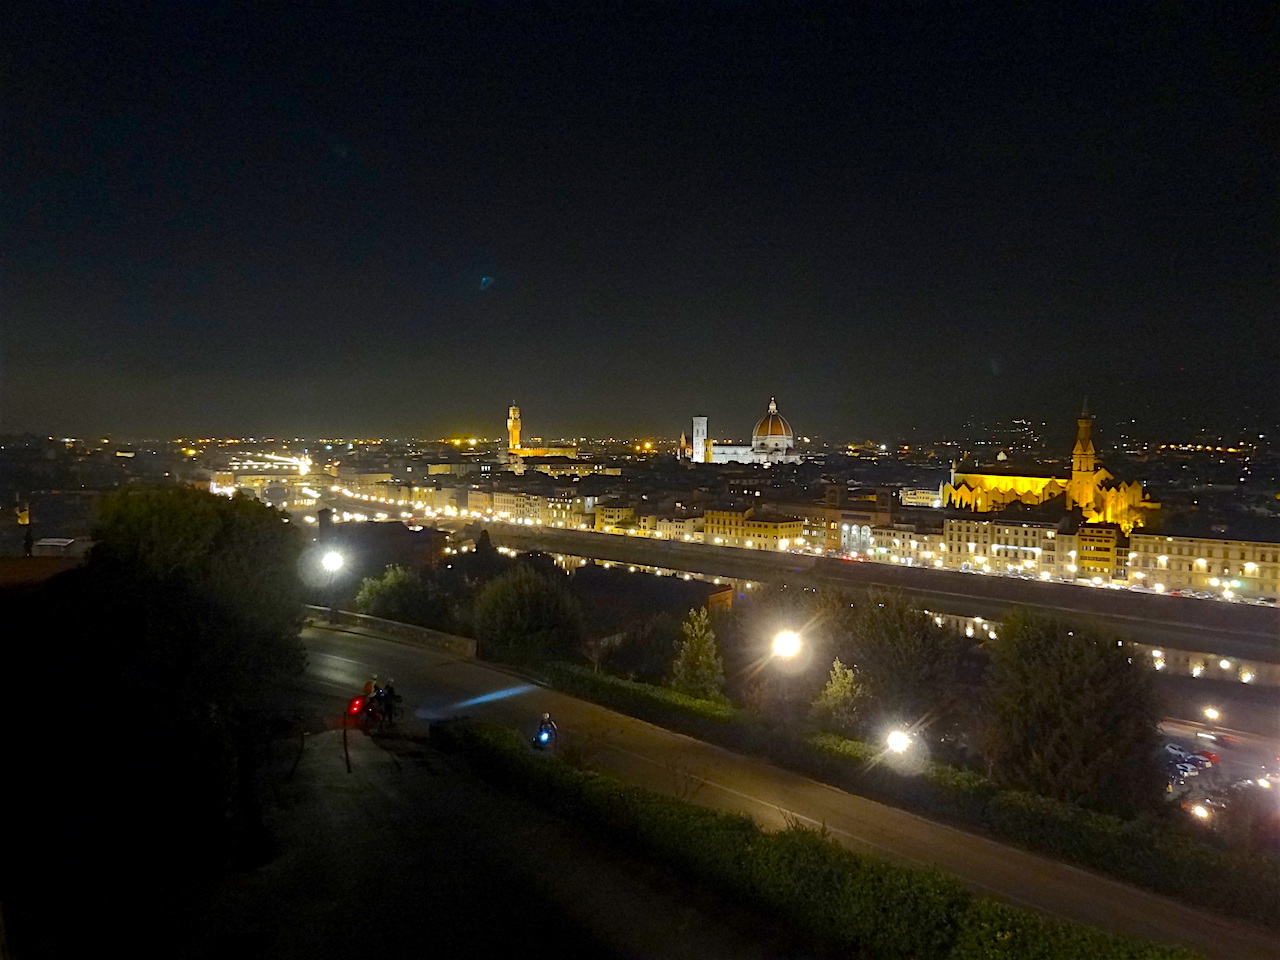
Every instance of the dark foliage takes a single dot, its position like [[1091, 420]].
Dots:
[[648, 648], [1073, 715], [139, 776], [525, 615], [845, 903], [1149, 852], [400, 594], [905, 666]]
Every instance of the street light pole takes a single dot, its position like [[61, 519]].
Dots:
[[332, 563], [786, 646]]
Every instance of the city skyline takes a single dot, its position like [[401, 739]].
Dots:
[[245, 222]]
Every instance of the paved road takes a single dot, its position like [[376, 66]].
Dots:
[[436, 685]]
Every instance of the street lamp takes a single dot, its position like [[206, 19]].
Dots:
[[898, 741], [332, 562], [786, 645], [1212, 713]]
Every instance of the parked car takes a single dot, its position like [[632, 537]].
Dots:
[[1173, 750]]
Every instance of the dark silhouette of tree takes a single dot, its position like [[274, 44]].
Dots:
[[209, 589], [648, 648], [171, 639], [482, 563], [525, 615], [905, 665], [400, 594], [1072, 714], [543, 563]]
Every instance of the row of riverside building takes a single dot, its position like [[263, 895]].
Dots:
[[1228, 560]]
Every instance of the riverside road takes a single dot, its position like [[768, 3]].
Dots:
[[1237, 630], [437, 685]]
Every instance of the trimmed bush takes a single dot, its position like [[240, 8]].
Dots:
[[991, 930], [833, 897], [637, 699], [1140, 851]]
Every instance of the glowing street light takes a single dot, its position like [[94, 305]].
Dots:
[[786, 645], [332, 561], [898, 741], [1201, 811], [1212, 713]]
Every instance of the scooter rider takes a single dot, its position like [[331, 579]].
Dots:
[[387, 694], [548, 726]]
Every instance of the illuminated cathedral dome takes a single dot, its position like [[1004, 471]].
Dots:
[[772, 432], [772, 441]]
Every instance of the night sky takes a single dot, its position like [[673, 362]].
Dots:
[[394, 219]]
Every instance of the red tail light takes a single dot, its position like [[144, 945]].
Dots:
[[355, 705]]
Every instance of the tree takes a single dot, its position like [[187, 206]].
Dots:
[[1072, 714], [648, 648], [907, 665], [400, 594], [208, 587], [483, 563], [1248, 815], [526, 615], [840, 705], [177, 631], [597, 649], [698, 670]]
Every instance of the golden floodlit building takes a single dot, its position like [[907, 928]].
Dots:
[[1099, 496], [516, 451], [752, 529]]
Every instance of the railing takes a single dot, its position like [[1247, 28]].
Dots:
[[448, 642]]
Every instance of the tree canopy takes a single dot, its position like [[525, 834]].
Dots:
[[205, 590], [527, 614], [400, 594], [698, 670], [839, 706], [906, 667], [185, 614], [1072, 714]]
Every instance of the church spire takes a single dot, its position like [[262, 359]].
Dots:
[[773, 405], [1084, 459]]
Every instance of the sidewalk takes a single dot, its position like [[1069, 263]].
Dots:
[[409, 853]]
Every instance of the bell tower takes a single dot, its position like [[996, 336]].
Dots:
[[513, 428], [1083, 458], [1082, 488]]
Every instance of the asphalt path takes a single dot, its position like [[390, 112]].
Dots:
[[436, 686]]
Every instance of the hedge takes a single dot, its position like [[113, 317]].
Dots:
[[1139, 851], [834, 898]]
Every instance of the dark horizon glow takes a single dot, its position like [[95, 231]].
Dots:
[[393, 220]]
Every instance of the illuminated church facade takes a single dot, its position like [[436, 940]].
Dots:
[[1089, 487], [772, 441]]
